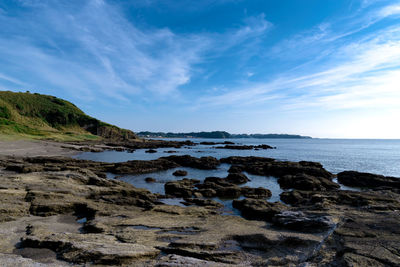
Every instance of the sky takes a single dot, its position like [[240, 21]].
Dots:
[[328, 69]]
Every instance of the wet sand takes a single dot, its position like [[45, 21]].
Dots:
[[32, 148]]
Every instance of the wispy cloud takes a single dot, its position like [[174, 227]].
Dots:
[[91, 48], [360, 72]]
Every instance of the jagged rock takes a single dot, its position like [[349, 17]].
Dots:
[[258, 209]]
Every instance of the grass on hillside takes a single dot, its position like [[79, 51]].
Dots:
[[36, 116]]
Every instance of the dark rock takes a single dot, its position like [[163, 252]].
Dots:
[[270, 167], [264, 147], [298, 221], [208, 192], [180, 173], [237, 178], [244, 147], [235, 169], [371, 200], [259, 192], [258, 209], [208, 143], [228, 143], [140, 166], [211, 181], [229, 192], [359, 179], [306, 182], [182, 188], [237, 147], [204, 163], [150, 180], [151, 151]]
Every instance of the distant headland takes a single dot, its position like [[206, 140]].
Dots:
[[218, 135]]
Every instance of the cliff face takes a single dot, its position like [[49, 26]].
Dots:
[[44, 116]]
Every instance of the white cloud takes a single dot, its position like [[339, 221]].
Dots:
[[90, 48], [11, 79], [388, 11], [360, 74]]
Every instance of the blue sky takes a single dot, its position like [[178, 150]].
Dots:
[[326, 68]]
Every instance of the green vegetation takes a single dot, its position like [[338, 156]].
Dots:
[[43, 116]]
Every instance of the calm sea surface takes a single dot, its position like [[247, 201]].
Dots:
[[336, 155]]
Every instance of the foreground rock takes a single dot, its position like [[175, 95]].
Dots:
[[62, 212]]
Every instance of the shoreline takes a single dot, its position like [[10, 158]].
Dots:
[[58, 211]]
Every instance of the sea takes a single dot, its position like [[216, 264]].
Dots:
[[364, 155]]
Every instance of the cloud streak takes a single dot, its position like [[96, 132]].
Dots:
[[360, 73], [91, 48]]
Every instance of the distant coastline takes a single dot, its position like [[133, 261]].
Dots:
[[218, 135]]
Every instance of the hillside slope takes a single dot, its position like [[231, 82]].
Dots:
[[43, 116]]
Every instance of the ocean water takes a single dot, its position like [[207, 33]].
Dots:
[[336, 155]]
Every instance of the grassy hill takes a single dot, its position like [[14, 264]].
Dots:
[[39, 116]]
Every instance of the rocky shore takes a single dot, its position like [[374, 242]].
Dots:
[[59, 211]]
